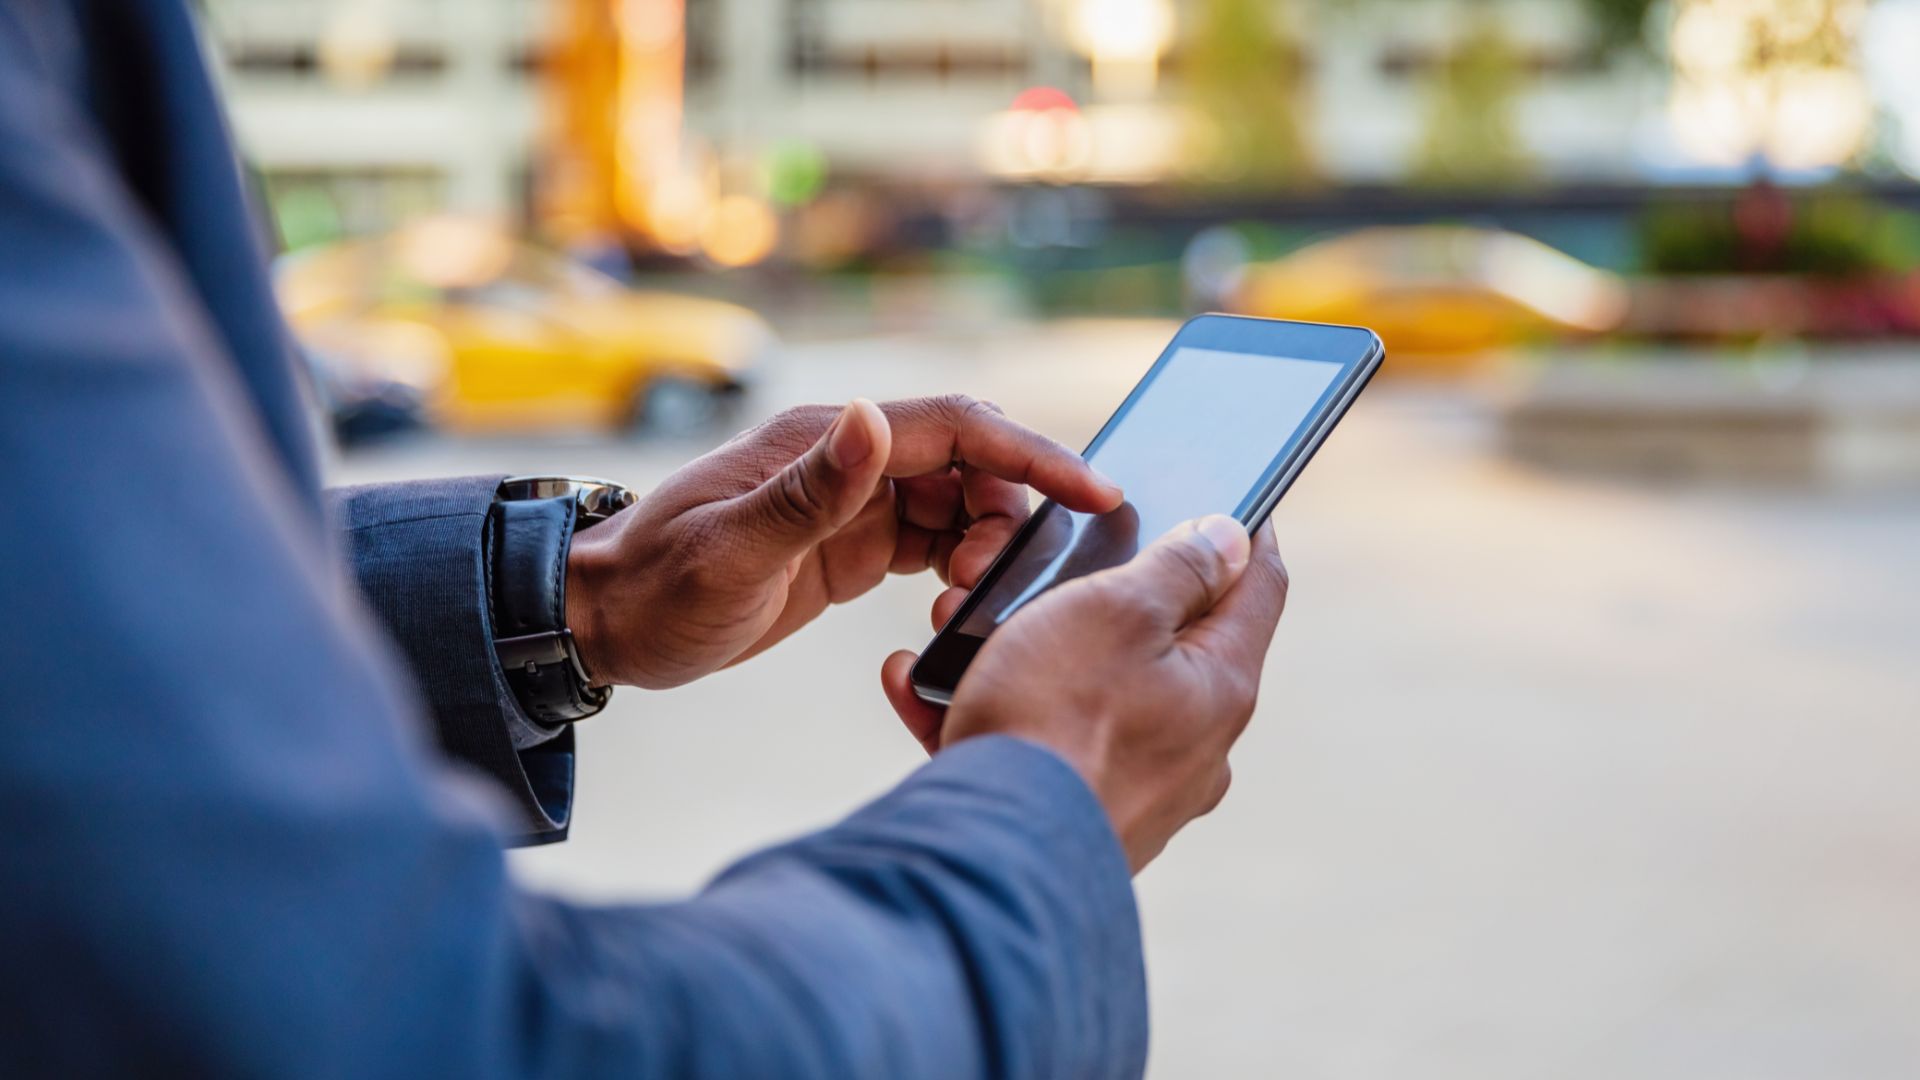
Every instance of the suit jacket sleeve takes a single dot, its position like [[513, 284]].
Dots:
[[419, 553], [228, 853]]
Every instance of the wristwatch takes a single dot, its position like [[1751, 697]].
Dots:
[[531, 530]]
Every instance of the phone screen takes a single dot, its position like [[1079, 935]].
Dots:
[[1197, 439]]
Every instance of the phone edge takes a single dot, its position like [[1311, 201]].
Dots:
[[1281, 484]]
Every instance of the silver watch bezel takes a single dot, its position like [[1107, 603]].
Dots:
[[596, 500]]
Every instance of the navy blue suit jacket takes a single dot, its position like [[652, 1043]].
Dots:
[[229, 842]]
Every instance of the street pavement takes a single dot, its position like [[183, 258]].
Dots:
[[1549, 778]]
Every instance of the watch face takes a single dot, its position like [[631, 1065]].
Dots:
[[598, 502]]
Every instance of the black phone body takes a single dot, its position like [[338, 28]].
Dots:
[[1223, 422]]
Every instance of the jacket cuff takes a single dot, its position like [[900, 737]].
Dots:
[[419, 552]]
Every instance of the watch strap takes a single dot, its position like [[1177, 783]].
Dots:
[[528, 586]]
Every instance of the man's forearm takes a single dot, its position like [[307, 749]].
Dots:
[[978, 921]]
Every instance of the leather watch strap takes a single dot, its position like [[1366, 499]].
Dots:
[[528, 585]]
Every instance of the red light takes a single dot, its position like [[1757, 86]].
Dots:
[[1043, 99]]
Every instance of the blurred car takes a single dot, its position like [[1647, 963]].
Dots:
[[361, 403], [1439, 295], [498, 335]]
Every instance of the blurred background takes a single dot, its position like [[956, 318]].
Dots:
[[1590, 746]]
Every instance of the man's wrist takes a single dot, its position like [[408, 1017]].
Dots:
[[589, 566]]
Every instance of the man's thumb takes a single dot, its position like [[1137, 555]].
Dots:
[[1181, 576], [822, 489]]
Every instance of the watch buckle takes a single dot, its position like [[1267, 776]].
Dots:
[[533, 651]]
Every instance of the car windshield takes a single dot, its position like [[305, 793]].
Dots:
[[357, 275], [549, 275]]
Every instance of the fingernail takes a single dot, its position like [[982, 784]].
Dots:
[[848, 442], [1228, 537], [1105, 481]]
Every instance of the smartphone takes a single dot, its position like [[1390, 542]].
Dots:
[[1222, 423]]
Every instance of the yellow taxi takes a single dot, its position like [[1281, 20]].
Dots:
[[500, 335], [1440, 296]]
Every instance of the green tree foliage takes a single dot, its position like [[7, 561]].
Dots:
[[1836, 234], [1471, 135], [1242, 70], [1621, 23]]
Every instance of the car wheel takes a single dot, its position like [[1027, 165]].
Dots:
[[676, 406]]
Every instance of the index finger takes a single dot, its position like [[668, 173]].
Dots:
[[933, 433], [1240, 627]]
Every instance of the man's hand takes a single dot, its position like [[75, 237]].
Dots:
[[1141, 677], [749, 543]]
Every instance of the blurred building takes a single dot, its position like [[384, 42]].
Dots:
[[1579, 111], [375, 110], [900, 89], [371, 110], [881, 87]]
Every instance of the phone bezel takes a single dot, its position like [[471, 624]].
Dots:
[[1357, 349]]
